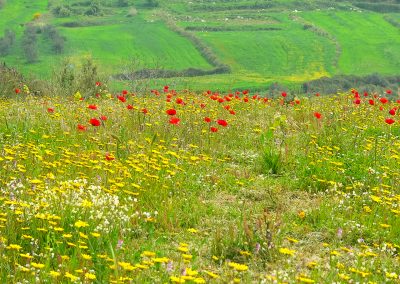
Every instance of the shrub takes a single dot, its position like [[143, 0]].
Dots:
[[70, 79], [29, 43], [7, 42], [56, 39], [9, 80], [132, 12], [62, 11]]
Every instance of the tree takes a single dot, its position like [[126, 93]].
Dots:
[[29, 44], [152, 3], [7, 42]]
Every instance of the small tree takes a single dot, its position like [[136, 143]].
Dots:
[[29, 44], [152, 3], [7, 42]]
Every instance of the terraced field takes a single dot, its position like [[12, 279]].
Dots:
[[256, 43]]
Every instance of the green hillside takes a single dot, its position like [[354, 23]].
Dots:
[[207, 44]]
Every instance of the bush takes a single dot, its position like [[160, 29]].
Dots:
[[122, 3], [56, 39], [132, 12], [7, 42], [70, 79], [373, 82], [29, 43], [62, 11], [10, 79], [94, 9], [152, 3]]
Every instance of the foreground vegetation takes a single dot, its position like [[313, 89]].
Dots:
[[196, 188]]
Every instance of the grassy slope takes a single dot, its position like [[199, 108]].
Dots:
[[369, 43], [112, 46], [291, 55], [131, 41]]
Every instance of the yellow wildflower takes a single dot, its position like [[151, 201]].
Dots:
[[70, 276], [80, 224], [90, 276], [287, 251], [54, 274]]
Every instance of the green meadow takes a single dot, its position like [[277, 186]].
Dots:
[[261, 43], [213, 141]]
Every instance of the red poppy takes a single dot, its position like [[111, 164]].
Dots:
[[95, 122], [392, 111], [207, 119], [317, 94], [384, 100], [297, 102], [109, 157], [357, 101], [81, 127], [371, 102], [365, 94], [222, 122], [144, 110], [98, 84], [245, 92], [94, 107], [389, 121], [388, 92], [317, 115], [129, 106], [246, 99], [122, 98], [232, 112], [284, 94], [103, 117], [179, 101], [174, 120], [171, 111], [202, 105], [124, 92], [214, 129], [50, 110], [17, 91]]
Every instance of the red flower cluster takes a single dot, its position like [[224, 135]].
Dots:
[[95, 122], [171, 112], [317, 115]]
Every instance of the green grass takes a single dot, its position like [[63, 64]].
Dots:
[[366, 42], [275, 195], [369, 43], [113, 44], [291, 54]]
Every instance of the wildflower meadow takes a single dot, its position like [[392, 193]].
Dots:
[[179, 187]]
